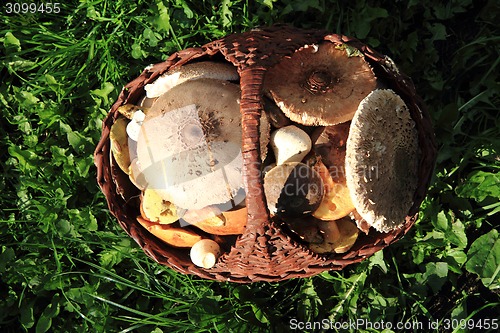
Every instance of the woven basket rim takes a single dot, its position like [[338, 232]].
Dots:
[[253, 257]]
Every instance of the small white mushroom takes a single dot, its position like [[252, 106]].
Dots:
[[205, 253], [134, 126], [198, 70], [290, 144]]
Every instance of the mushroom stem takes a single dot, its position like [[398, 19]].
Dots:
[[290, 144], [205, 253]]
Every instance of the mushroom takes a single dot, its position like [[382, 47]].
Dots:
[[231, 222], [128, 110], [178, 237], [156, 209], [293, 190], [307, 228], [134, 126], [336, 202], [330, 145], [146, 103], [205, 253], [120, 179], [189, 147], [319, 85], [382, 160], [197, 70], [119, 143], [339, 236], [360, 222], [136, 176], [209, 213], [276, 117], [290, 144]]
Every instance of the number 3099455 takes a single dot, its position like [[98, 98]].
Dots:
[[25, 7]]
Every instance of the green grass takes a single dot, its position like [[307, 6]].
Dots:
[[66, 266]]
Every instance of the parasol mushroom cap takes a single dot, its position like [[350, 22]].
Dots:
[[197, 70], [189, 145], [320, 85], [382, 160]]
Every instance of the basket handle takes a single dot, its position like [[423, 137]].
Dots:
[[251, 109]]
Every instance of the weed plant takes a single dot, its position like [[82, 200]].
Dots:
[[66, 266]]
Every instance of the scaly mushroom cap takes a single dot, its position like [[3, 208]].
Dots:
[[320, 85], [189, 146], [382, 160]]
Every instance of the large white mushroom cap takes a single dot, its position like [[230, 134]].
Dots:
[[189, 146], [382, 160]]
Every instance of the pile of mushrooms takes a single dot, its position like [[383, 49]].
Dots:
[[339, 154], [346, 154], [181, 147]]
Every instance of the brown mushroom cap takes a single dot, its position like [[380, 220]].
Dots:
[[382, 160], [320, 85], [293, 189], [189, 146]]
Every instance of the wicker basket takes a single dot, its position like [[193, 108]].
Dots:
[[266, 251]]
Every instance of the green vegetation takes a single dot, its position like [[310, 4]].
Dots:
[[66, 266]]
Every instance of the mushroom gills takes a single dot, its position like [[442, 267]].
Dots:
[[382, 160]]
